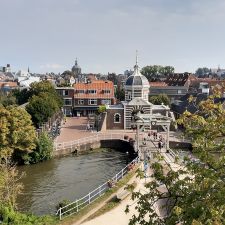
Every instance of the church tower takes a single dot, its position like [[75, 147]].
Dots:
[[76, 69], [136, 85]]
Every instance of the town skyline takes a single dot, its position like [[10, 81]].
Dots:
[[47, 36]]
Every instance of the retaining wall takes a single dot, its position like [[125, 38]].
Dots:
[[120, 145]]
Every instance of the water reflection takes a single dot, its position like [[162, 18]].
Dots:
[[70, 177]]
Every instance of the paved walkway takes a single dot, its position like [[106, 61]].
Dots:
[[75, 128], [117, 216]]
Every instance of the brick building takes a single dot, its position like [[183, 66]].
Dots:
[[88, 96], [67, 94], [84, 99], [136, 99]]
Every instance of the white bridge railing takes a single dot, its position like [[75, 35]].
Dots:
[[79, 204], [90, 139]]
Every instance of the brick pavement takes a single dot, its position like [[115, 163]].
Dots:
[[74, 128]]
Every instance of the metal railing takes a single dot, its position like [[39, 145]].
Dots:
[[90, 139], [79, 204]]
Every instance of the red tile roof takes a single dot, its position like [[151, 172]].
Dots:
[[157, 84], [98, 85], [8, 84]]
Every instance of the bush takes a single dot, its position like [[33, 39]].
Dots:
[[42, 152], [11, 217]]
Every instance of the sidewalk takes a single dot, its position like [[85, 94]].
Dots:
[[74, 128], [117, 216]]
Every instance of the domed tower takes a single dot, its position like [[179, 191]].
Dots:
[[76, 69], [136, 85]]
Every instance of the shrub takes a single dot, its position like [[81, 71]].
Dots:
[[43, 150], [11, 217]]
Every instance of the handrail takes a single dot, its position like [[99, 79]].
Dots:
[[75, 206], [91, 138]]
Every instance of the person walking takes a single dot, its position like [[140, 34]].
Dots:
[[160, 145]]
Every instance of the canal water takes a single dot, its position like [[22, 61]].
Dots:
[[70, 177]]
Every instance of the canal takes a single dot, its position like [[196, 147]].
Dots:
[[69, 177]]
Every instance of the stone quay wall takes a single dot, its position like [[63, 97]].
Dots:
[[120, 145]]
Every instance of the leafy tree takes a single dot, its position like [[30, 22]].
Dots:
[[43, 150], [41, 107], [9, 185], [194, 193], [155, 72], [44, 103], [17, 134], [7, 99], [202, 72], [120, 94], [21, 96], [44, 86], [159, 99], [5, 133], [168, 70], [113, 77], [101, 109]]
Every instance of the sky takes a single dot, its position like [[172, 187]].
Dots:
[[48, 35]]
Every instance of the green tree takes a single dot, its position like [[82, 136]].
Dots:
[[168, 70], [101, 109], [9, 185], [7, 99], [41, 107], [43, 151], [155, 72], [113, 77], [194, 193], [44, 86], [21, 96], [202, 72], [159, 99], [120, 94], [17, 134]]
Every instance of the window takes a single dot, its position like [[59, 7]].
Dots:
[[80, 101], [106, 101], [92, 101], [65, 92], [67, 101], [129, 95], [80, 91], [91, 91], [117, 118], [106, 91]]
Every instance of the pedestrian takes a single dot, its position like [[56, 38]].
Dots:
[[159, 145], [155, 135]]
